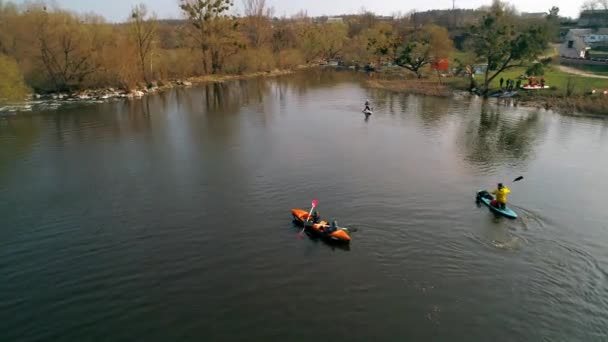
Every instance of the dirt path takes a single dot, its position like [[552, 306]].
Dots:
[[579, 72]]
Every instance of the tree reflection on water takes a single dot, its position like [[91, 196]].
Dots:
[[491, 138]]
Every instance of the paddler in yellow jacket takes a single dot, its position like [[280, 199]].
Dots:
[[501, 196]]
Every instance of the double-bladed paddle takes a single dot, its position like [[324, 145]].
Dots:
[[314, 204]]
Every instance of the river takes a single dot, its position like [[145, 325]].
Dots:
[[168, 218]]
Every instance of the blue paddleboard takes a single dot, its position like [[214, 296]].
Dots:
[[507, 212]]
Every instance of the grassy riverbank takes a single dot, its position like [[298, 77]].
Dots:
[[574, 104], [223, 78], [570, 94], [561, 83], [414, 86]]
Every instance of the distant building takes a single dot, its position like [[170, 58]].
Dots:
[[574, 45], [578, 41], [384, 18], [533, 15], [335, 20], [597, 37], [344, 18], [480, 69], [593, 18]]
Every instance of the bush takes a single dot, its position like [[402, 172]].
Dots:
[[537, 69], [251, 60], [12, 85], [261, 60], [178, 63], [289, 59]]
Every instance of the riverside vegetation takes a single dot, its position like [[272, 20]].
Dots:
[[48, 49], [510, 46]]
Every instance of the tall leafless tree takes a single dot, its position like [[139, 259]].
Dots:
[[143, 30]]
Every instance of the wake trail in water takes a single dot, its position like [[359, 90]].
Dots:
[[508, 242], [531, 220], [568, 273]]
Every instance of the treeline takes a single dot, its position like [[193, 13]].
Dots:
[[51, 49], [56, 50]]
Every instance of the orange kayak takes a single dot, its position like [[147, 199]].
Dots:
[[322, 228]]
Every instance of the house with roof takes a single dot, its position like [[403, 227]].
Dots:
[[335, 20], [593, 18], [385, 18], [534, 15], [574, 45], [597, 37]]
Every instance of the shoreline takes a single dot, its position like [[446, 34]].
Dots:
[[415, 86], [578, 105], [54, 100], [223, 78]]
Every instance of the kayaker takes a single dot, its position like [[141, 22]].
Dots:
[[333, 227], [367, 106], [315, 217], [501, 196]]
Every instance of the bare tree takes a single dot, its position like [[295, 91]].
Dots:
[[593, 5], [206, 17], [143, 30], [257, 22], [301, 16], [590, 5], [66, 49], [256, 8]]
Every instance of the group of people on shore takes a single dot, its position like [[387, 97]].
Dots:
[[510, 84], [533, 82], [595, 91]]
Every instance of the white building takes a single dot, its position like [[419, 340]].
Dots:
[[598, 37], [574, 45], [335, 20]]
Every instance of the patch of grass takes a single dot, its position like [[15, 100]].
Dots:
[[598, 54], [557, 80], [585, 105], [594, 69], [569, 93], [223, 78], [412, 86], [460, 55]]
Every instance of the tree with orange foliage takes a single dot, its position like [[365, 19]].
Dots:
[[425, 45]]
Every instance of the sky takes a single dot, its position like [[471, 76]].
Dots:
[[117, 10]]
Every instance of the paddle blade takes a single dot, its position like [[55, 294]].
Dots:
[[301, 233], [314, 203], [518, 179]]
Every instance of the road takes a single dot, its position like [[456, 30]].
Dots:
[[579, 72]]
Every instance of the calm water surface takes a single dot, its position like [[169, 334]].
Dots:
[[168, 218]]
